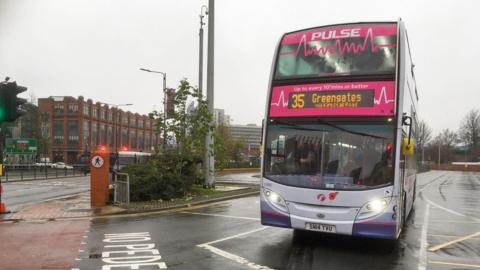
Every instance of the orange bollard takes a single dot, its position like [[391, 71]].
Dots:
[[3, 208]]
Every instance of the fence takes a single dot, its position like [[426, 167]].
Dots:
[[122, 188], [456, 167], [15, 172]]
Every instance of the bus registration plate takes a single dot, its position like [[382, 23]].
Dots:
[[320, 227]]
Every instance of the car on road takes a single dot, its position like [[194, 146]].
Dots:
[[61, 165], [43, 164]]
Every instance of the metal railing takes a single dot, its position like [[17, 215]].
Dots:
[[19, 172], [121, 189]]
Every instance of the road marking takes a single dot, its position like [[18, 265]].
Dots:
[[453, 221], [235, 258], [422, 262], [216, 215], [231, 256], [431, 182], [456, 264], [449, 243], [234, 236], [451, 236], [450, 210], [125, 248]]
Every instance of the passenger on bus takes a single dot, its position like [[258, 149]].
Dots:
[[305, 157]]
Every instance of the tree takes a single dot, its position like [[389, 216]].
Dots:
[[469, 132], [424, 135], [30, 122], [186, 129], [227, 148], [445, 141], [173, 171]]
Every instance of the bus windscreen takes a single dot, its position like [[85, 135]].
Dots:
[[362, 49]]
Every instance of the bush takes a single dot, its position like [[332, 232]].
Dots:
[[165, 177]]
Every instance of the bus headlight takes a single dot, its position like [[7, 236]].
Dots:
[[373, 208], [275, 199]]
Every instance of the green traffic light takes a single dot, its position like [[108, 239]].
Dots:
[[9, 102], [2, 113]]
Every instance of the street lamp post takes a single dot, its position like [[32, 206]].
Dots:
[[203, 10], [209, 155], [164, 74]]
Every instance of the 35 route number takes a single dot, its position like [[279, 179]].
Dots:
[[298, 101]]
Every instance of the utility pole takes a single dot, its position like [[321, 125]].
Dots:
[[439, 154], [423, 154], [45, 118], [165, 112], [200, 54], [209, 155]]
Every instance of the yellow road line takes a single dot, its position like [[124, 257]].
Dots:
[[435, 248], [456, 264]]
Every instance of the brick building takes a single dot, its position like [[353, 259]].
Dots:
[[76, 126]]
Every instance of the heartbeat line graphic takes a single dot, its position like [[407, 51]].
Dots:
[[346, 47], [281, 101], [383, 94]]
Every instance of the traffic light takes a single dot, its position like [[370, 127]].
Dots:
[[9, 102]]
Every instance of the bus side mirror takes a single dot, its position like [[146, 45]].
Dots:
[[408, 143], [408, 146]]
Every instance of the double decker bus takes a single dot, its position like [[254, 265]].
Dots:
[[338, 151]]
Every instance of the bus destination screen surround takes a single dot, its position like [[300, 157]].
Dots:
[[334, 99]]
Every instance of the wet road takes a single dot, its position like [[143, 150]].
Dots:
[[443, 232], [18, 194]]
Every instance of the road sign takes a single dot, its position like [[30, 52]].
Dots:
[[97, 161], [20, 146]]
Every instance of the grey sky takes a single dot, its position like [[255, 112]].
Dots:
[[95, 48]]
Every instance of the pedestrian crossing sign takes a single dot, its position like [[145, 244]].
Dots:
[[97, 161]]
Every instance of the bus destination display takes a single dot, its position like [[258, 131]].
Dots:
[[332, 99]]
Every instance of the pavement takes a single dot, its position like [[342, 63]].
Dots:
[[443, 232], [41, 245]]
